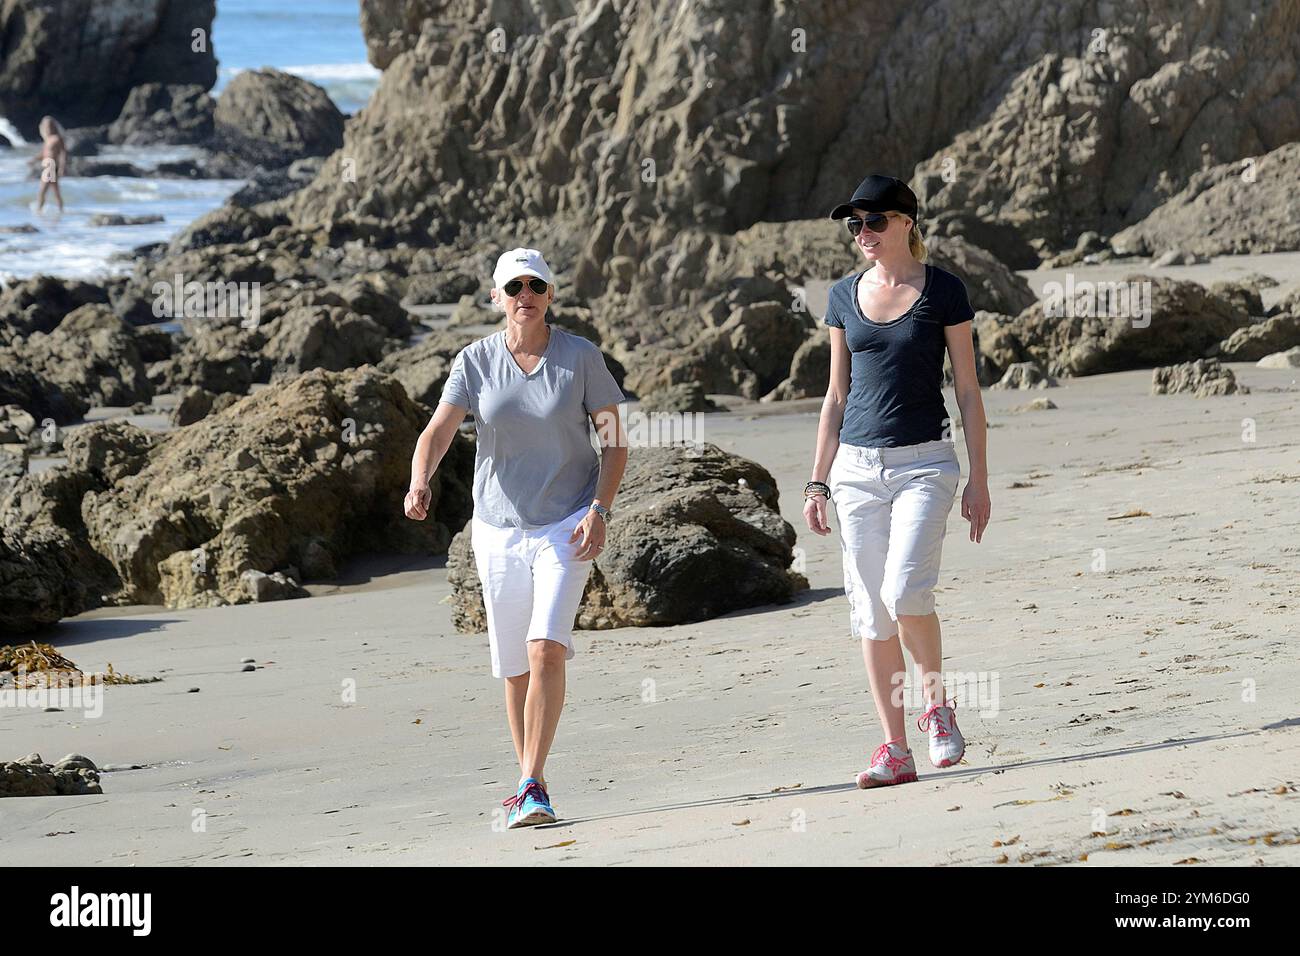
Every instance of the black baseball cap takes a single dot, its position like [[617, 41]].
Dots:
[[879, 194]]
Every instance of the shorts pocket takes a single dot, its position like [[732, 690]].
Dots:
[[950, 468]]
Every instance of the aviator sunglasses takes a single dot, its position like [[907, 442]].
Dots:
[[875, 221], [515, 286]]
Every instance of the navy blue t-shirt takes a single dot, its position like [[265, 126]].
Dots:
[[896, 385]]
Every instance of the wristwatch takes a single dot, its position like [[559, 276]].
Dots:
[[601, 510]]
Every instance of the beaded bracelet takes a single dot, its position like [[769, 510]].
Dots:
[[816, 487]]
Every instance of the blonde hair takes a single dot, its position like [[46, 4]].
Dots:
[[49, 124], [916, 244]]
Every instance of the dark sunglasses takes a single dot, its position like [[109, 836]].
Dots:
[[515, 286], [875, 221]]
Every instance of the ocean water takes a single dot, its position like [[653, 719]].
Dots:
[[319, 40]]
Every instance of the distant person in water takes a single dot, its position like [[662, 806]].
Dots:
[[53, 160]]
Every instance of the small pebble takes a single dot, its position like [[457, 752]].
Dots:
[[249, 667], [192, 690], [53, 710], [247, 660]]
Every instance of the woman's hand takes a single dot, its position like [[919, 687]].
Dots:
[[592, 530], [976, 507], [416, 504], [814, 512]]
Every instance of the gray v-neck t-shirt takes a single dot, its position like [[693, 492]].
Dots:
[[535, 462]]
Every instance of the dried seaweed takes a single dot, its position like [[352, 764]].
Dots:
[[40, 665]]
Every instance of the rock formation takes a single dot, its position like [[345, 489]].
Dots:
[[273, 118], [79, 59], [1203, 378], [290, 481], [697, 533]]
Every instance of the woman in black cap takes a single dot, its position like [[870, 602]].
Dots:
[[886, 459]]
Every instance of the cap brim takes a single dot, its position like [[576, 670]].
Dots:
[[525, 271], [845, 209]]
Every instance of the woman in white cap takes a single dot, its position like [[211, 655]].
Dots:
[[887, 461], [542, 498]]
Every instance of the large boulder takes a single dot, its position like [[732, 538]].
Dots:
[[329, 337], [274, 118], [218, 356], [371, 296], [998, 347], [297, 476], [1281, 360], [990, 285], [765, 338], [1244, 295], [39, 304], [224, 225], [34, 393], [1251, 343], [79, 59], [1245, 205], [422, 369], [48, 569], [810, 370], [749, 354], [688, 397], [197, 403], [163, 114], [91, 356], [1139, 322], [697, 533], [40, 580]]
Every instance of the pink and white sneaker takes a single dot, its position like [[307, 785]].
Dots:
[[946, 742], [891, 763]]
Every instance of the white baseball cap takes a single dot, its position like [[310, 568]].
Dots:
[[520, 262]]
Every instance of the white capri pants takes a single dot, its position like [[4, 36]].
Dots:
[[892, 506], [532, 586]]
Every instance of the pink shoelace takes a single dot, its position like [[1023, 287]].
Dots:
[[941, 729], [518, 798], [884, 756]]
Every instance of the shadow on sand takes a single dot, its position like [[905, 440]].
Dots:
[[961, 773]]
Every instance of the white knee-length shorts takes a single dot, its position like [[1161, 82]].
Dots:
[[892, 506], [532, 586]]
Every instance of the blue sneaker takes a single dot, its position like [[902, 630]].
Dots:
[[530, 806]]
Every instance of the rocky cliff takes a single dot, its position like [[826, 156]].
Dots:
[[640, 126]]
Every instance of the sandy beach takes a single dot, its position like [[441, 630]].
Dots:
[[1144, 714], [288, 227]]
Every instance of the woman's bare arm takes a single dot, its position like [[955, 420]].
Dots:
[[976, 506], [613, 452], [832, 416], [430, 448], [828, 429]]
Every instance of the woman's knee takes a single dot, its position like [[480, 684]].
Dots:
[[546, 653]]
